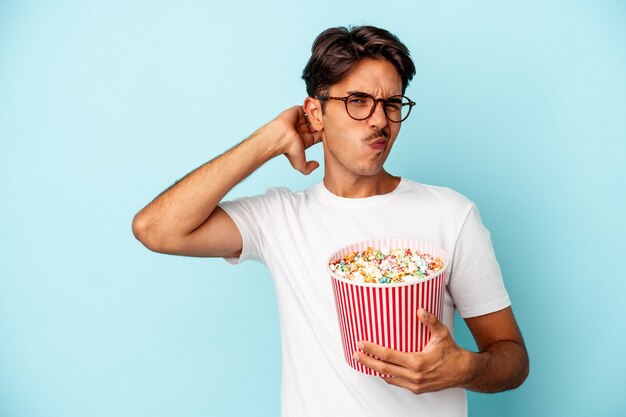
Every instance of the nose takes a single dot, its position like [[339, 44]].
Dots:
[[378, 119]]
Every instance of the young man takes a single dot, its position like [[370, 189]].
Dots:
[[356, 80]]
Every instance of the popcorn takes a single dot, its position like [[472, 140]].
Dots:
[[386, 266]]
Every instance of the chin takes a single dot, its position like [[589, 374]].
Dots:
[[370, 171]]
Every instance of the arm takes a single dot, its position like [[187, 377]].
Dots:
[[500, 364], [185, 219]]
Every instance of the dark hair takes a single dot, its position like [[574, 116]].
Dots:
[[336, 50]]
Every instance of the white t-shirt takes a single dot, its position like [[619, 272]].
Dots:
[[295, 233]]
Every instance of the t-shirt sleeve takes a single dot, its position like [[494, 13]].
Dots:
[[242, 214], [251, 215], [476, 283]]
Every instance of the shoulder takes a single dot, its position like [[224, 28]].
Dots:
[[279, 193], [286, 195], [271, 198], [444, 197]]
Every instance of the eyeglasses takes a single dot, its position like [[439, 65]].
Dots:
[[361, 106]]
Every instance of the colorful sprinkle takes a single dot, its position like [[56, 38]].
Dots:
[[386, 266]]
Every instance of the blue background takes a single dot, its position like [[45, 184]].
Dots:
[[521, 107]]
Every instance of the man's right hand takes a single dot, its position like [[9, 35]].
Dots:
[[185, 219], [299, 135]]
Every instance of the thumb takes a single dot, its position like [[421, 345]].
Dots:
[[311, 166], [437, 328], [299, 163]]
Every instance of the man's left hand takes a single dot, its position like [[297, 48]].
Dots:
[[441, 363]]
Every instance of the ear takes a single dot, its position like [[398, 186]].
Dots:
[[313, 108]]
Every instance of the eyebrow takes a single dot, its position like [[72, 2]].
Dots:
[[363, 92]]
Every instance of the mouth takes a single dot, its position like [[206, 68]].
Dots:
[[378, 144]]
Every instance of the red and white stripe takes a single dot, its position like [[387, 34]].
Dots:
[[386, 314]]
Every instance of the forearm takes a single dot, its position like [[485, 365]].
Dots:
[[502, 366], [189, 202]]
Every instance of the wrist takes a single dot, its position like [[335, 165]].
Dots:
[[473, 362], [270, 139]]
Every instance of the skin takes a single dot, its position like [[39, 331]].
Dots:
[[500, 364], [352, 168], [185, 220]]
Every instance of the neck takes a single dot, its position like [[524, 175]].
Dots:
[[361, 186]]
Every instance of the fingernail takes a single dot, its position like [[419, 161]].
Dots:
[[425, 313], [355, 356], [361, 345]]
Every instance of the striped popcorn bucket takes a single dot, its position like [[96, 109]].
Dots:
[[386, 314]]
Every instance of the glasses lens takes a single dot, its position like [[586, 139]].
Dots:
[[360, 107], [397, 108]]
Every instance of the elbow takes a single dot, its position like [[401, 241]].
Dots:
[[138, 227], [523, 372], [519, 380], [144, 232]]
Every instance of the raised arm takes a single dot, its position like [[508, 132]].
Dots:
[[185, 219]]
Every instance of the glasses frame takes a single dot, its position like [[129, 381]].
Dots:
[[411, 103]]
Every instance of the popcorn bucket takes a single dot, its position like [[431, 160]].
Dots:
[[386, 314]]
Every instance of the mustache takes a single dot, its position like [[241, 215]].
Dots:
[[376, 135]]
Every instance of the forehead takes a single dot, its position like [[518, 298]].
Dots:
[[376, 77]]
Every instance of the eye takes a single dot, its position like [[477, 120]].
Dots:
[[393, 104], [396, 104], [361, 97], [358, 99]]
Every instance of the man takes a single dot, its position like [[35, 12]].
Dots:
[[356, 80]]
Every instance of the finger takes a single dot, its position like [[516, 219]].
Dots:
[[306, 167], [306, 129], [383, 367], [402, 383], [309, 134], [311, 166], [303, 119], [437, 328], [298, 161], [388, 355], [315, 135]]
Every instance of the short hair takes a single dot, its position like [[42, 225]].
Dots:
[[337, 50]]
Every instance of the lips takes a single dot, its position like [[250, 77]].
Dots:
[[379, 144]]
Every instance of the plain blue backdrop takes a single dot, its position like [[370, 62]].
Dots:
[[521, 106]]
